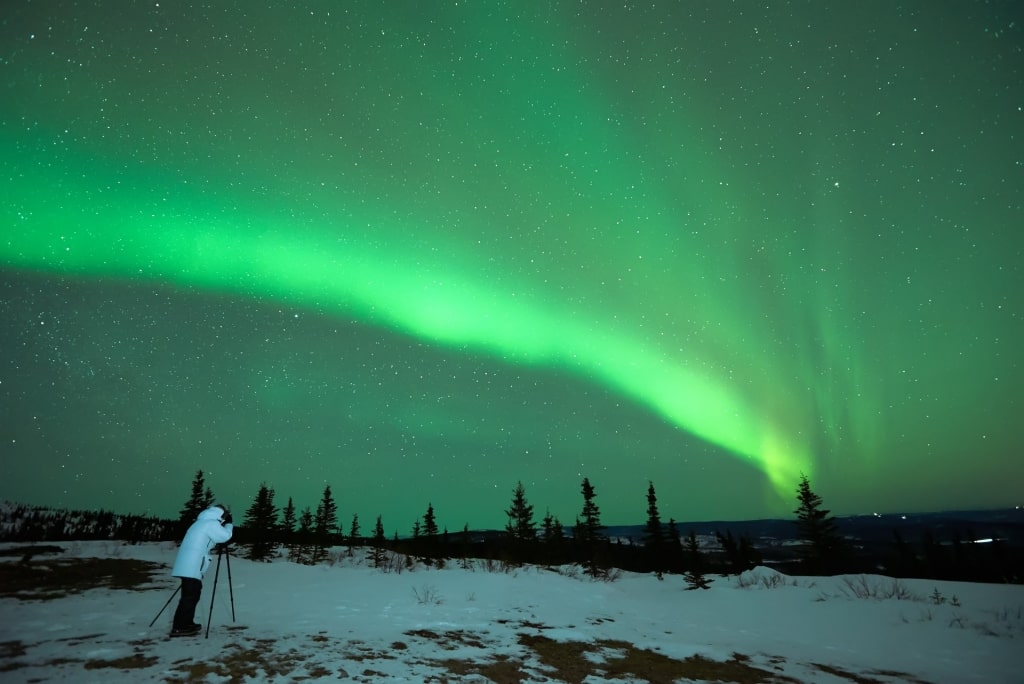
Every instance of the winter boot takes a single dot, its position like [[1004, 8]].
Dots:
[[188, 630]]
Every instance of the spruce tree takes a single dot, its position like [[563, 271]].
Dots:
[[260, 524], [694, 576], [551, 529], [353, 531], [465, 547], [824, 545], [589, 531], [428, 534], [378, 554], [286, 531], [442, 557], [552, 536], [520, 526], [674, 554], [654, 535], [325, 525], [739, 554], [429, 522], [200, 499], [302, 550]]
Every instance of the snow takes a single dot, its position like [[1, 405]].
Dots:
[[348, 622]]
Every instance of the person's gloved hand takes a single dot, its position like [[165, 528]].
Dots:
[[226, 518]]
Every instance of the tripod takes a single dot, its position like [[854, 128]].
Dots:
[[222, 551]]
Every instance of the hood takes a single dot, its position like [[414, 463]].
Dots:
[[212, 513]]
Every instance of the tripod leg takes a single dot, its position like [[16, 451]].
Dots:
[[165, 606], [213, 595], [231, 589]]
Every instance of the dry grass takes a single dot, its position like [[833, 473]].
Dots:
[[238, 663], [12, 649], [55, 662], [53, 578], [500, 670], [449, 640], [133, 662], [9, 651], [569, 662], [890, 675], [574, 661]]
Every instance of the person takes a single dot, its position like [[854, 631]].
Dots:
[[212, 527]]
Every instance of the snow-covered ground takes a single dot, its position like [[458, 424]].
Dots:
[[348, 622]]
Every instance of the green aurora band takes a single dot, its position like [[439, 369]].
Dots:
[[390, 287], [487, 179]]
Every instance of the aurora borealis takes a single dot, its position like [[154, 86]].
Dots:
[[420, 251]]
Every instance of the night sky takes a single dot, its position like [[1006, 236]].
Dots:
[[421, 251]]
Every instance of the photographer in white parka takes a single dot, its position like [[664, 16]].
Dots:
[[212, 527]]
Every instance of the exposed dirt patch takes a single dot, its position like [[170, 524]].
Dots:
[[54, 662], [12, 649], [133, 662], [450, 639], [53, 578], [500, 670], [574, 661], [870, 677], [565, 659], [240, 663]]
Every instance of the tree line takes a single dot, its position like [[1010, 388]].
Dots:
[[308, 535], [305, 536], [662, 547]]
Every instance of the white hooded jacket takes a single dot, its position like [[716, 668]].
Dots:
[[194, 555]]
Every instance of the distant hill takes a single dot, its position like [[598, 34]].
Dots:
[[1004, 524], [21, 522]]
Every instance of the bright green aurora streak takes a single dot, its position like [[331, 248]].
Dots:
[[395, 289], [744, 230]]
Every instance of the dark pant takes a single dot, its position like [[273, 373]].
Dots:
[[184, 616]]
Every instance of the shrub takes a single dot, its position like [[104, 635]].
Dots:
[[427, 595]]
